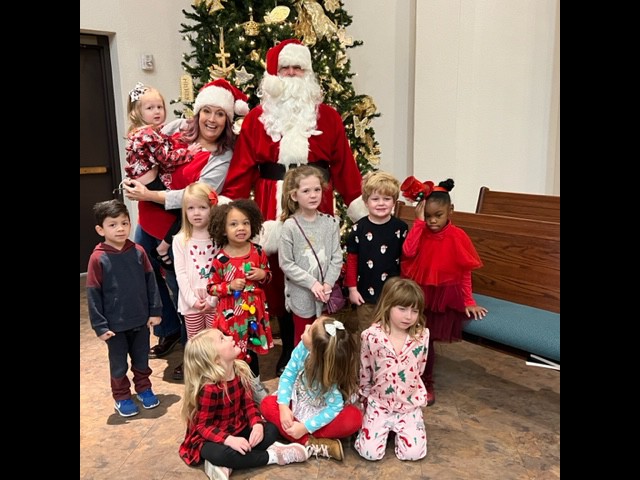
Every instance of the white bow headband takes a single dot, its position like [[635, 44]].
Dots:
[[137, 91], [331, 327]]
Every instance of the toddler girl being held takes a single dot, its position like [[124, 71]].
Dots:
[[151, 155]]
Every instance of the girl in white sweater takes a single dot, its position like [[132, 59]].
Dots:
[[193, 251]]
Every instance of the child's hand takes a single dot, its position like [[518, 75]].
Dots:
[[296, 430], [256, 435], [354, 296], [212, 302], [239, 444], [321, 292], [194, 148], [107, 335], [200, 304], [286, 416], [420, 210], [153, 321], [475, 311], [256, 274], [238, 283]]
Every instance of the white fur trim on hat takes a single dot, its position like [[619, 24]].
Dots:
[[220, 97], [357, 209], [217, 97], [295, 54]]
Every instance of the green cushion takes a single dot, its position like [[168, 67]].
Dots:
[[527, 328]]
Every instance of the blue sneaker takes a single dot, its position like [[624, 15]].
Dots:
[[126, 408], [148, 399]]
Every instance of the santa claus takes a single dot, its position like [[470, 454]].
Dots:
[[290, 127]]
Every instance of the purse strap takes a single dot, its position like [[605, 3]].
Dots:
[[310, 246]]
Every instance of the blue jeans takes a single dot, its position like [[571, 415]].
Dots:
[[171, 321]]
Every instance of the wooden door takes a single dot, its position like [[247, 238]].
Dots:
[[99, 159]]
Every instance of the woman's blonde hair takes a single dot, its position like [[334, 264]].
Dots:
[[202, 365], [291, 183], [333, 359], [134, 107], [195, 191], [400, 292]]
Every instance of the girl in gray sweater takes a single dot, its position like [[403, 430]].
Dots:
[[309, 252]]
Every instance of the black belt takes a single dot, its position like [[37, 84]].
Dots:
[[276, 171]]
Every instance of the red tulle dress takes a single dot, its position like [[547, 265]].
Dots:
[[441, 263]]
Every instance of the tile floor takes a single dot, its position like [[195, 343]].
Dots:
[[494, 418]]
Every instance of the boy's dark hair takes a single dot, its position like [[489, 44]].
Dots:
[[218, 220], [109, 208]]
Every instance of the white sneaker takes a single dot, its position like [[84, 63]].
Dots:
[[291, 453], [216, 473]]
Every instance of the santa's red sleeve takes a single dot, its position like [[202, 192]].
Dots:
[[243, 170]]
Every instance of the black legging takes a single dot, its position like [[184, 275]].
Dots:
[[224, 456]]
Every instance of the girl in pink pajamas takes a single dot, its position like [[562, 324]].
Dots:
[[393, 355]]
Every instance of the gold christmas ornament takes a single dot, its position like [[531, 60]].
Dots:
[[344, 39], [373, 160], [331, 5], [214, 5], [187, 113], [360, 126], [312, 23], [335, 86], [222, 70], [365, 107], [186, 89], [254, 56], [251, 28], [277, 15], [242, 76]]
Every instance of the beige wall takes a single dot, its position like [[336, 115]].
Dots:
[[467, 89], [487, 96]]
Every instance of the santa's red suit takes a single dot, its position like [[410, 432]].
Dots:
[[261, 158], [255, 163]]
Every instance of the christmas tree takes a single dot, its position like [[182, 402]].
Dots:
[[230, 38]]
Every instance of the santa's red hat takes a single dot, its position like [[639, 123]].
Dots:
[[286, 53], [221, 93]]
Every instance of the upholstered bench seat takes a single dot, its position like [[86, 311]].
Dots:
[[527, 328]]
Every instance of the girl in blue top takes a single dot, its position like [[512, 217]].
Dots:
[[313, 403]]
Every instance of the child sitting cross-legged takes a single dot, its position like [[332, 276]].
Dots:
[[224, 427], [313, 403]]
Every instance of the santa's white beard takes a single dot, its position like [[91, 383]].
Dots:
[[291, 117]]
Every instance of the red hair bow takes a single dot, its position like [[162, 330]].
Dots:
[[213, 198], [415, 190]]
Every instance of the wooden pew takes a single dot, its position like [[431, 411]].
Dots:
[[521, 260], [520, 205]]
